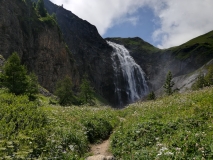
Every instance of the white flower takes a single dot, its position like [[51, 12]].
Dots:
[[71, 147], [168, 153]]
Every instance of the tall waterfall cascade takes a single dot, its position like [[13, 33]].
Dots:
[[130, 83]]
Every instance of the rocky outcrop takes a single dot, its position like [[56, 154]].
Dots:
[[40, 46], [91, 52]]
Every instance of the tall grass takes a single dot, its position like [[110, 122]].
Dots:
[[174, 127]]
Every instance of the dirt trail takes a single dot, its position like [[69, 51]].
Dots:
[[102, 148]]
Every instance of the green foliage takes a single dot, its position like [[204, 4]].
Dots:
[[15, 78], [200, 47], [64, 92], [49, 20], [200, 82], [209, 76], [87, 92], [41, 9], [32, 88], [174, 127], [151, 96], [22, 127], [203, 81], [168, 84], [97, 129]]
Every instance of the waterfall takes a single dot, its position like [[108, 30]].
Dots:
[[130, 83]]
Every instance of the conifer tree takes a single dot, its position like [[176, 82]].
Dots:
[[86, 93], [14, 75], [168, 84], [41, 9], [32, 88], [64, 92], [151, 96]]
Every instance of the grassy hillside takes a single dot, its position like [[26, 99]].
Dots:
[[200, 47], [136, 44], [175, 127]]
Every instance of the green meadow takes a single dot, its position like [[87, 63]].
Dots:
[[179, 126]]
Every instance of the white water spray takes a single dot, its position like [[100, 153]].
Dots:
[[129, 77]]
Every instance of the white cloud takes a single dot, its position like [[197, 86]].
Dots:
[[178, 20], [104, 13], [182, 20]]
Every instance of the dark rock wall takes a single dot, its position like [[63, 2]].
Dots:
[[40, 47], [91, 52]]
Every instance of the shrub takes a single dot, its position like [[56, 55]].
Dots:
[[200, 82], [23, 127], [97, 129]]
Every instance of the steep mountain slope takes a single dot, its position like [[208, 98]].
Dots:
[[91, 52], [38, 43], [180, 60], [73, 47]]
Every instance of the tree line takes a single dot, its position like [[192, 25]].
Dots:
[[15, 78]]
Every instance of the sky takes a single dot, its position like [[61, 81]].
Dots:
[[162, 23]]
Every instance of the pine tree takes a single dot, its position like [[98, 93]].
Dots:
[[151, 96], [64, 92], [168, 84], [86, 93], [41, 9], [15, 78], [32, 88], [14, 75]]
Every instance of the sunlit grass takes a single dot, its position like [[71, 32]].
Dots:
[[174, 127]]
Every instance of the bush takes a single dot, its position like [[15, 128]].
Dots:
[[97, 129], [23, 127]]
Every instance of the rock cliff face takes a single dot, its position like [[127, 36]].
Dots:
[[39, 45], [91, 52]]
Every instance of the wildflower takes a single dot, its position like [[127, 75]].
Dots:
[[159, 154], [163, 149], [168, 153], [71, 147]]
